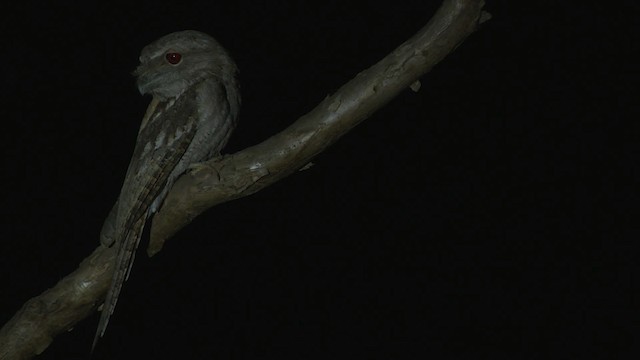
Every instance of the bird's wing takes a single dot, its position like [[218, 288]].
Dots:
[[165, 134]]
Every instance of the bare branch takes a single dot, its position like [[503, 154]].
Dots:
[[76, 296], [254, 168]]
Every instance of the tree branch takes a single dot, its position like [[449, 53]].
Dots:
[[259, 166], [76, 296]]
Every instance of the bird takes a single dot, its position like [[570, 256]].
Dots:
[[194, 107]]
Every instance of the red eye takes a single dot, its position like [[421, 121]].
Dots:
[[173, 58]]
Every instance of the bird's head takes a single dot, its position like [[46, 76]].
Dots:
[[177, 61]]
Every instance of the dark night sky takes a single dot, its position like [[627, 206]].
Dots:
[[488, 214]]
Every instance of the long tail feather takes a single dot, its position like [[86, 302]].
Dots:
[[126, 255]]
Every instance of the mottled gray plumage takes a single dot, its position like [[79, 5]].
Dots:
[[191, 116]]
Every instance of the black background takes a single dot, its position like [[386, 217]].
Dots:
[[491, 213]]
